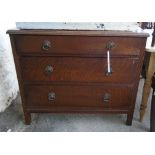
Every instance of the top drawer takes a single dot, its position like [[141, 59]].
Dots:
[[76, 45]]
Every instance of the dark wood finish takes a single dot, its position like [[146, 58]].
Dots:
[[78, 33], [65, 71], [27, 117], [129, 117], [79, 69], [145, 64], [76, 45], [78, 95]]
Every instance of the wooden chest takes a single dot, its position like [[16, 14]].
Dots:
[[78, 71]]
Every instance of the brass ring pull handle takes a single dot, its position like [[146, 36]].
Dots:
[[110, 45], [51, 96], [107, 97], [46, 45], [49, 69]]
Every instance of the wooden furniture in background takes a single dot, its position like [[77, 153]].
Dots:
[[147, 84], [78, 71], [150, 69]]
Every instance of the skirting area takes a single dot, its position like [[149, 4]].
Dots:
[[12, 120]]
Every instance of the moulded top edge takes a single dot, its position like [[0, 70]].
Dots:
[[78, 32]]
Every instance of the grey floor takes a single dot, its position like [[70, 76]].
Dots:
[[12, 120]]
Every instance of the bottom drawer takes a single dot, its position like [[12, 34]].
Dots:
[[77, 95]]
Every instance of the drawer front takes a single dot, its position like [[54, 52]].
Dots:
[[74, 45], [78, 69], [77, 95]]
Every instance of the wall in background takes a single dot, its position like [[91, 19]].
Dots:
[[8, 79]]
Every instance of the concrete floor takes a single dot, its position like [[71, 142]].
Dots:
[[12, 120]]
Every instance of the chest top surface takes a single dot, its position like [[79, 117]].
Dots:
[[78, 32]]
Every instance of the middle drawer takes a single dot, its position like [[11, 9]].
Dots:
[[69, 69]]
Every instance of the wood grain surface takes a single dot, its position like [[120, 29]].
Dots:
[[76, 80]]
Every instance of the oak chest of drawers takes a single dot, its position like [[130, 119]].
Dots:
[[78, 71]]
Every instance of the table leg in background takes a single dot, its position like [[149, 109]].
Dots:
[[147, 85]]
